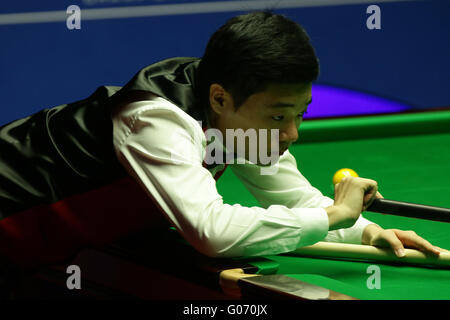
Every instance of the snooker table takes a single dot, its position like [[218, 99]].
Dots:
[[408, 154]]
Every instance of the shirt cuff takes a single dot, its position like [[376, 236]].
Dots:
[[360, 225], [314, 222], [354, 234]]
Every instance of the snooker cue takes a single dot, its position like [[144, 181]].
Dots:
[[366, 252], [411, 210]]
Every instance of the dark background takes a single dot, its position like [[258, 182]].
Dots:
[[46, 64]]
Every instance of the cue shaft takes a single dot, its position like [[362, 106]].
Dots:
[[365, 252], [411, 210]]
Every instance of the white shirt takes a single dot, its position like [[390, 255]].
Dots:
[[163, 148]]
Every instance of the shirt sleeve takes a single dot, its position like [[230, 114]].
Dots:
[[288, 187], [162, 148]]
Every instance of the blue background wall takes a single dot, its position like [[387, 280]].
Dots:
[[46, 64]]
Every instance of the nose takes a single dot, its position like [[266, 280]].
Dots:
[[290, 133]]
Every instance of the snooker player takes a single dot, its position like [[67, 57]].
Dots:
[[86, 173]]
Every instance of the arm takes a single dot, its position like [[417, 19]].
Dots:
[[290, 188], [162, 148]]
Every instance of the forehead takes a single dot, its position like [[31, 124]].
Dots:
[[299, 93]]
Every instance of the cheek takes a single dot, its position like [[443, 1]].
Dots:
[[270, 140], [246, 118], [238, 121]]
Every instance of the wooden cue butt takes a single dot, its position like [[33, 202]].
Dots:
[[228, 280]]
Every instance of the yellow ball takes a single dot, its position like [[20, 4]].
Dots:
[[342, 173]]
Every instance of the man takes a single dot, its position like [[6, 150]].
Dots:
[[88, 172]]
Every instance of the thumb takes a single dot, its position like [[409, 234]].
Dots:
[[368, 198]]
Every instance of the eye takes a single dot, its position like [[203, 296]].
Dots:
[[278, 118], [302, 114]]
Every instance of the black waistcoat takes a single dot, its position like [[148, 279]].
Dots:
[[67, 151]]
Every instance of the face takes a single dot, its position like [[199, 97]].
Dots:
[[280, 106]]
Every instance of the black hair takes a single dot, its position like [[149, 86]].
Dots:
[[251, 51]]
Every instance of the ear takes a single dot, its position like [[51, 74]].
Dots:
[[219, 98]]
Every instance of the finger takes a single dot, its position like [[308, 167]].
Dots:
[[370, 189], [379, 196], [336, 188], [411, 239], [395, 244], [369, 198], [441, 249], [426, 246]]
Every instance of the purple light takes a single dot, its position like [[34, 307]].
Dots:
[[331, 101]]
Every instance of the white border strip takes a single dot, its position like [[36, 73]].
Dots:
[[176, 9]]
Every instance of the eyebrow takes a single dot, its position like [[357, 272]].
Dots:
[[287, 105]]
